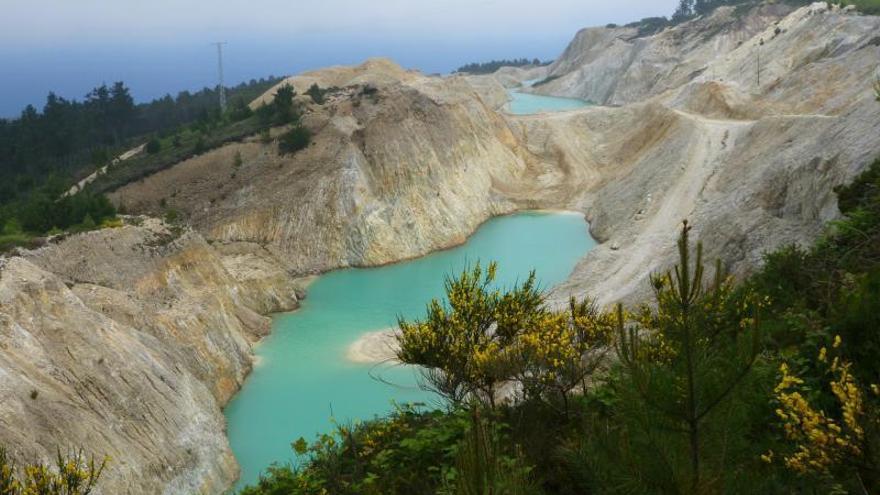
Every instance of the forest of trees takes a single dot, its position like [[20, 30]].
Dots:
[[70, 136], [494, 65]]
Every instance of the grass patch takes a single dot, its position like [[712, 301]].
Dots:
[[544, 81]]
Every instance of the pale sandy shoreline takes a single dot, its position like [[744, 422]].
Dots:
[[374, 347]]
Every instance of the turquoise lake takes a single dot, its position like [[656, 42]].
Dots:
[[527, 104], [302, 378]]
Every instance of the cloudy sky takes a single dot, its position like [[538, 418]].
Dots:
[[163, 46]]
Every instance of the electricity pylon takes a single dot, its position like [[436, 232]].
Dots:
[[219, 45]]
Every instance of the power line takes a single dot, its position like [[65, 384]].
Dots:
[[760, 44], [219, 45]]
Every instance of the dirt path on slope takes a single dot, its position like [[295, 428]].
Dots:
[[625, 261], [79, 186]]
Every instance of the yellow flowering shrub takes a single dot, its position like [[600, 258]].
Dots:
[[482, 337], [561, 349], [71, 475], [466, 345], [821, 441]]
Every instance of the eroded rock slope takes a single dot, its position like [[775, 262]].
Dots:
[[127, 341]]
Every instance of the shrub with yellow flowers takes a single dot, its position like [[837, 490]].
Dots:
[[465, 345], [562, 349], [72, 474], [482, 337], [824, 440]]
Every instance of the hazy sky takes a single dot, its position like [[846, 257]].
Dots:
[[160, 46]]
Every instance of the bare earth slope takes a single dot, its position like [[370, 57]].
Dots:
[[135, 337], [130, 340], [388, 176], [751, 165]]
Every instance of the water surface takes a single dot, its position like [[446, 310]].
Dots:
[[303, 379], [527, 103]]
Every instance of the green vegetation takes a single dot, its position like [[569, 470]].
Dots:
[[318, 94], [650, 25], [294, 140], [70, 138], [72, 474], [545, 81], [195, 140], [865, 6], [41, 214], [42, 154], [766, 386], [153, 146], [494, 65]]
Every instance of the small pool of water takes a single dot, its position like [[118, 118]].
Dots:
[[303, 379], [527, 103]]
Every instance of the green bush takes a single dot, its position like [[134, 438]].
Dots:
[[410, 452], [316, 93], [153, 146], [199, 147], [88, 222], [172, 216], [285, 111], [240, 110], [294, 140]]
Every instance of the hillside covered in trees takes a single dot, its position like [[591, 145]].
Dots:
[[69, 136], [42, 153], [494, 65]]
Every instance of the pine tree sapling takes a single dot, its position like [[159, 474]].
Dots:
[[685, 359]]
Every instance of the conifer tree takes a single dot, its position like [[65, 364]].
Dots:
[[684, 11], [684, 361]]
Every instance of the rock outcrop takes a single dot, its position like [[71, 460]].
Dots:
[[127, 341], [751, 164], [133, 338], [406, 167]]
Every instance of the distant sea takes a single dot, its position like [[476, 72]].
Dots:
[[169, 66]]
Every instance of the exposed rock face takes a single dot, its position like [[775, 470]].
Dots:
[[410, 169], [131, 339], [751, 165], [135, 337], [616, 67]]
